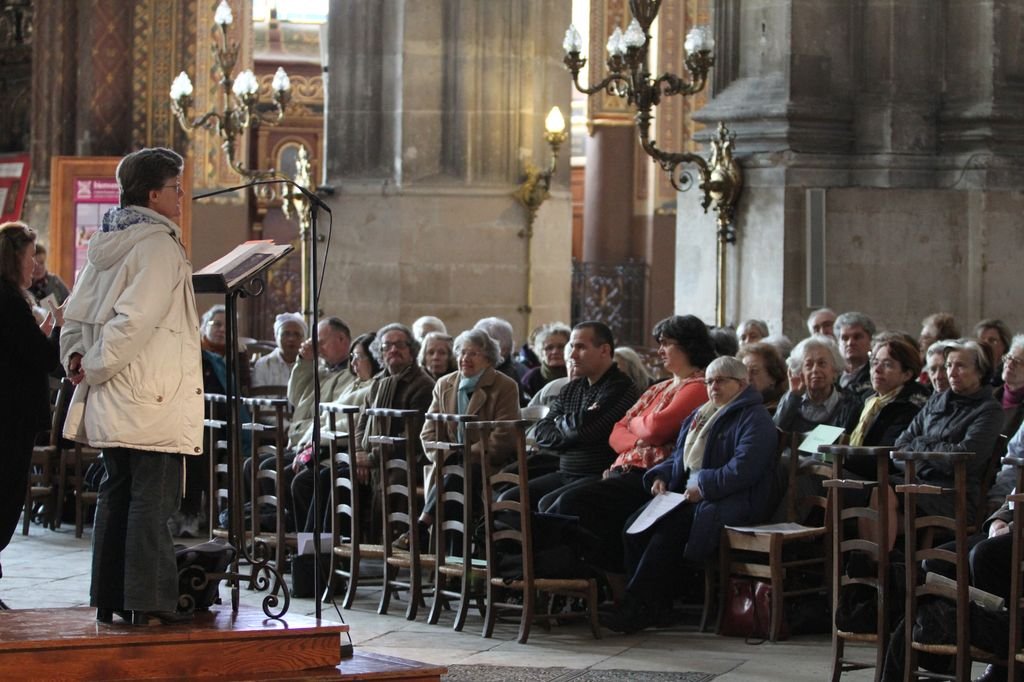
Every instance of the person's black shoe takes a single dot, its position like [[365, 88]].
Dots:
[[3, 606], [993, 673], [632, 616], [107, 615], [165, 617]]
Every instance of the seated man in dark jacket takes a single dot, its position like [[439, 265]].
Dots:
[[580, 420], [723, 465]]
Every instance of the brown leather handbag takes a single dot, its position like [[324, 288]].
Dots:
[[748, 608]]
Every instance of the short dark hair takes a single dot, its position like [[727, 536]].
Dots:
[[363, 342], [15, 237], [945, 325], [1005, 335], [690, 332], [902, 350], [602, 332], [724, 340], [774, 365], [146, 170]]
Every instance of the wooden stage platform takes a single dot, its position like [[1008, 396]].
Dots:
[[68, 644]]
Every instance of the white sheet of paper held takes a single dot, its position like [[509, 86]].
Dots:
[[655, 509]]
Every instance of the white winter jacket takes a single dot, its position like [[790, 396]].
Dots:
[[132, 316]]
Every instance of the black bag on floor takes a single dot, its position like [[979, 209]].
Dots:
[[197, 590]]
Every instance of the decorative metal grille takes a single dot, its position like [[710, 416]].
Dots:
[[613, 293]]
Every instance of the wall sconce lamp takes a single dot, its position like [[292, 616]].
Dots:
[[721, 178], [241, 98], [534, 191]]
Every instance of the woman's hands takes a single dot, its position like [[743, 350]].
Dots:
[[75, 370]]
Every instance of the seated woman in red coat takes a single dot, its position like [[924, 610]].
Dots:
[[723, 467], [643, 438]]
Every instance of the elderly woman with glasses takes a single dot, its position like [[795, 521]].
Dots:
[[819, 400], [722, 469], [476, 389], [966, 418]]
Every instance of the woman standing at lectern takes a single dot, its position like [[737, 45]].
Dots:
[[131, 345]]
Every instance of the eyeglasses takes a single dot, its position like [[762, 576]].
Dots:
[[357, 357], [464, 353], [399, 345], [887, 365], [176, 186], [718, 380], [1012, 360]]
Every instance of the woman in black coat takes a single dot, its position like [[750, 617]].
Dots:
[[26, 357]]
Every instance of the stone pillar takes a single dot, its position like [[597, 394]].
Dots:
[[432, 108], [841, 98], [53, 102], [103, 126], [608, 190]]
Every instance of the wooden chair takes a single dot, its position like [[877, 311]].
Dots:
[[215, 442], [453, 459], [914, 525], [267, 391], [44, 475], [844, 547], [529, 585], [74, 463], [771, 553], [397, 468], [346, 505], [267, 422], [1016, 574]]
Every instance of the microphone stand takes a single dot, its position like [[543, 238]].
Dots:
[[315, 203]]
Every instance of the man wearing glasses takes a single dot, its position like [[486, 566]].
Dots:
[[401, 385]]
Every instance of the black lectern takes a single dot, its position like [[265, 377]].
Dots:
[[240, 274]]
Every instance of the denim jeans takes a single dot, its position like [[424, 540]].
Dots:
[[133, 563]]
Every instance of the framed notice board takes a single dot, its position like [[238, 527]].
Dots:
[[82, 189], [14, 170]]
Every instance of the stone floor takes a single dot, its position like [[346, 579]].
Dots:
[[51, 569]]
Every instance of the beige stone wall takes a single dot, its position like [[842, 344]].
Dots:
[[453, 253]]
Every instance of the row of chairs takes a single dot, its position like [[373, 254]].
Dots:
[[458, 567], [876, 546]]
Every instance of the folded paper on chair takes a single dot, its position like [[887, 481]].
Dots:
[[985, 600], [655, 509]]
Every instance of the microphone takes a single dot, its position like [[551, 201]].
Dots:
[[313, 198]]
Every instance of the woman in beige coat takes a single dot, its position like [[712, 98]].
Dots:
[[476, 389], [130, 343]]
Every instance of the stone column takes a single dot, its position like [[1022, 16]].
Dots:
[[432, 107]]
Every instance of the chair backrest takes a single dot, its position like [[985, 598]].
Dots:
[[877, 547], [452, 461], [397, 469], [65, 389], [341, 443], [267, 421], [500, 517], [1016, 559], [914, 524], [267, 391]]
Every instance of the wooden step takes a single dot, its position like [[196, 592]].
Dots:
[[69, 644]]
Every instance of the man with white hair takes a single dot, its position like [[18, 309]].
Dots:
[[821, 322], [275, 368], [501, 331], [426, 324]]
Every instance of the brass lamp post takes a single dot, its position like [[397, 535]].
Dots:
[[239, 111], [721, 179], [534, 191]]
